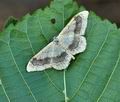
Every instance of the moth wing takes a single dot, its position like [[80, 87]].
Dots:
[[42, 60], [79, 20], [52, 55], [78, 46], [79, 43], [61, 58], [71, 37]]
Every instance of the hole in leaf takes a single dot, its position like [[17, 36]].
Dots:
[[53, 21]]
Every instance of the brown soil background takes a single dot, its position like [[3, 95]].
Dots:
[[109, 9]]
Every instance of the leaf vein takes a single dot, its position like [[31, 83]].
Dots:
[[92, 63], [29, 39], [21, 73], [4, 90], [114, 68]]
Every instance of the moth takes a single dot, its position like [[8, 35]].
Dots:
[[58, 53]]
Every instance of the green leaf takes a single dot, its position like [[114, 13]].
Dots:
[[92, 76], [10, 20]]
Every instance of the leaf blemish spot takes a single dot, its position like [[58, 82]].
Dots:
[[53, 21]]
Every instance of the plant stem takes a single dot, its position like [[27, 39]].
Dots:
[[65, 91]]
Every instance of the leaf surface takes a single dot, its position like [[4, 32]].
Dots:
[[92, 77]]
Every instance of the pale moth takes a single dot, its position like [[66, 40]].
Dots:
[[58, 53]]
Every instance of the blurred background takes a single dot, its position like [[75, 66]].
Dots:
[[109, 9]]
